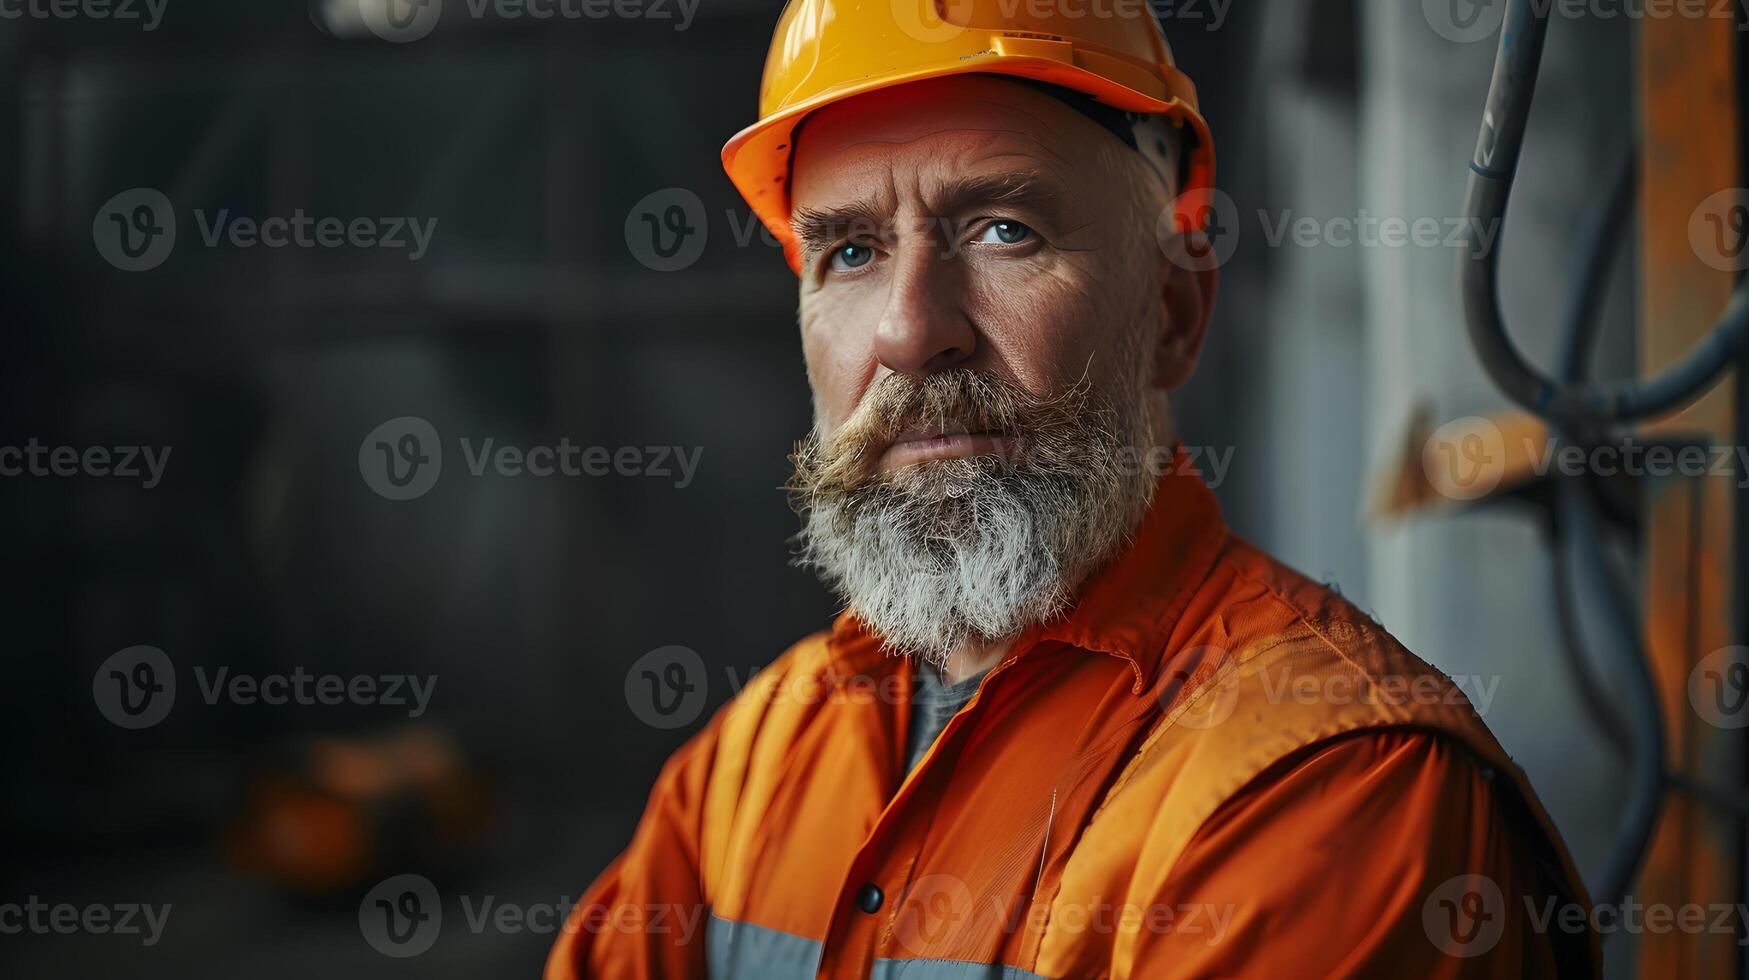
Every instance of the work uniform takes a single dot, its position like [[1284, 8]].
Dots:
[[1210, 767]]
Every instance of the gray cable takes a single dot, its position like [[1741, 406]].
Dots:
[[1571, 407], [1577, 406]]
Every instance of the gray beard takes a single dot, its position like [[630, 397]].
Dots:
[[957, 553]]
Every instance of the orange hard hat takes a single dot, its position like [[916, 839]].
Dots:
[[827, 50]]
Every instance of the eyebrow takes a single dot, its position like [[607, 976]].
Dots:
[[820, 228], [1024, 189]]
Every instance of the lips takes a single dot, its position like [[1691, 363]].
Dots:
[[921, 443]]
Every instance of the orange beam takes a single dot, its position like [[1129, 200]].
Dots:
[[1690, 150]]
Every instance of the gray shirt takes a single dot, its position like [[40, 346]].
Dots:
[[933, 703]]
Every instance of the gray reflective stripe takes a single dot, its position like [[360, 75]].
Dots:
[[744, 951], [947, 970]]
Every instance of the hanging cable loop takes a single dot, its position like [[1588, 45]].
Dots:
[[1576, 406]]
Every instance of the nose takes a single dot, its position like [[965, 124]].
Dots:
[[924, 328]]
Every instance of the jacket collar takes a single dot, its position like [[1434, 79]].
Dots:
[[1128, 608]]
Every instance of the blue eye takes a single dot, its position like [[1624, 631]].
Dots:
[[851, 256], [1005, 232]]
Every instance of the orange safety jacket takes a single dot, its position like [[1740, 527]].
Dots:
[[1210, 767]]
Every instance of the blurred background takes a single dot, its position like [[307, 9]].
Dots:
[[546, 308]]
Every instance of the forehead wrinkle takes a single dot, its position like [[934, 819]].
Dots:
[[944, 131], [1052, 131], [1049, 162], [1028, 113]]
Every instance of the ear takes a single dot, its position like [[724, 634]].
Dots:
[[1187, 300]]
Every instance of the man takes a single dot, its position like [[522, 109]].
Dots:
[[1068, 725]]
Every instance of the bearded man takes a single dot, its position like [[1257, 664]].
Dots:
[[1067, 725]]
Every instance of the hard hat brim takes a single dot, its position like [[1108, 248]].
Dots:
[[758, 157]]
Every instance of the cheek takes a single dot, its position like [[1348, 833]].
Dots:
[[1045, 327], [838, 347]]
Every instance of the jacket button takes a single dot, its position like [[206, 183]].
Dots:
[[869, 898]]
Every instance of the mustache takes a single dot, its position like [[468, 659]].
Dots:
[[954, 401]]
